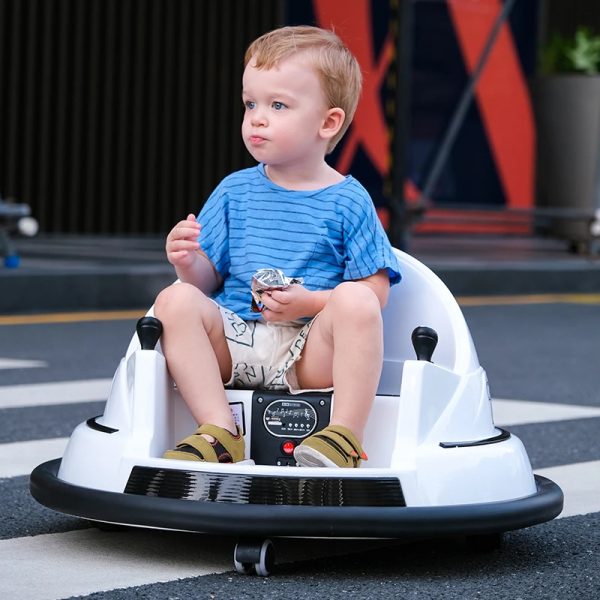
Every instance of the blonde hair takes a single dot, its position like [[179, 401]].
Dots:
[[335, 65]]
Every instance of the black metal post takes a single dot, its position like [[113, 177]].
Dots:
[[399, 229]]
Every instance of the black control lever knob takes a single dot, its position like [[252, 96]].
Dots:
[[149, 330], [424, 340]]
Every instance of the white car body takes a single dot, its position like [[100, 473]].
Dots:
[[430, 438]]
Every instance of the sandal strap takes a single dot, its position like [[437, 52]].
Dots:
[[348, 437], [343, 441], [198, 446], [226, 447]]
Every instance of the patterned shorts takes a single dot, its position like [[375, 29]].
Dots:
[[263, 355]]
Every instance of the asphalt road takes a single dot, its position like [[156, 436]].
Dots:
[[546, 353]]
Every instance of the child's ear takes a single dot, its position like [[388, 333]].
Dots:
[[332, 123]]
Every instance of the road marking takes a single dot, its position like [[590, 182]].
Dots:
[[529, 299], [580, 483], [15, 363], [91, 561], [94, 561], [522, 412], [76, 317], [119, 315], [506, 412], [56, 392], [20, 458]]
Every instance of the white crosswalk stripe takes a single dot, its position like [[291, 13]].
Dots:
[[59, 392], [26, 455], [506, 412], [91, 561], [14, 363], [580, 483], [521, 412], [20, 458]]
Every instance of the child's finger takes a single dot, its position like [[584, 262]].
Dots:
[[269, 303], [192, 225], [281, 296], [183, 245], [184, 230]]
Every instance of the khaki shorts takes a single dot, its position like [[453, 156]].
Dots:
[[263, 355]]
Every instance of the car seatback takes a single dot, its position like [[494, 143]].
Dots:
[[422, 299]]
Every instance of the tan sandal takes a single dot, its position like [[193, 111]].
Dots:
[[227, 448], [334, 446]]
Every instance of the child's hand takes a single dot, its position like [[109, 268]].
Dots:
[[289, 304], [182, 242]]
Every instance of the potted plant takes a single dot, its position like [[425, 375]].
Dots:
[[566, 100]]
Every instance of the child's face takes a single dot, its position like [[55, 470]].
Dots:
[[285, 109]]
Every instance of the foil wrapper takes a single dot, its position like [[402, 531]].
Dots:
[[267, 280]]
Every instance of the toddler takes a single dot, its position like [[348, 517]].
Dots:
[[292, 212]]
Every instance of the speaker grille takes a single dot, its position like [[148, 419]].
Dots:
[[252, 489]]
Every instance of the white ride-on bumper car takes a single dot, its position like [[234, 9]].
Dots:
[[437, 463]]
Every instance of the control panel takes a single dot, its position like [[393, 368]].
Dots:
[[280, 422]]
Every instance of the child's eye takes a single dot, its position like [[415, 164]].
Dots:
[[278, 105], [249, 104]]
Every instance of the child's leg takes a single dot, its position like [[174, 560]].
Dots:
[[345, 349], [196, 351]]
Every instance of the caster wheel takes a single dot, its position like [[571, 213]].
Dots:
[[243, 568], [254, 557]]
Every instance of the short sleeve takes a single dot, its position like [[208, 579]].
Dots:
[[214, 235], [368, 249]]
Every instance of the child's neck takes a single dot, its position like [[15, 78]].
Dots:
[[301, 179]]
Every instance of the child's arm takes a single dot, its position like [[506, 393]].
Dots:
[[190, 262], [296, 301], [380, 284]]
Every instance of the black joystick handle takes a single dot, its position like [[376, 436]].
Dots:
[[149, 330], [424, 340]]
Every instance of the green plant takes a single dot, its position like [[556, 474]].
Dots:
[[577, 54]]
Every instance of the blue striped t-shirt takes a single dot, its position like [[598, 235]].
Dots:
[[325, 236]]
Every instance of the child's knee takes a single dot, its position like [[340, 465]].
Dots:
[[356, 301], [177, 300]]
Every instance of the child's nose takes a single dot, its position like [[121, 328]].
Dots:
[[258, 118]]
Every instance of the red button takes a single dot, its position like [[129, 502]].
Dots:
[[288, 447]]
